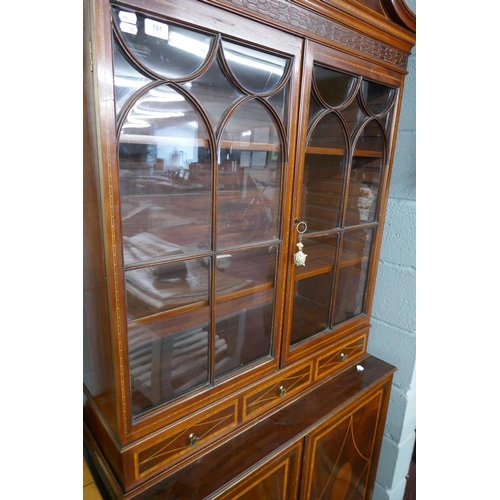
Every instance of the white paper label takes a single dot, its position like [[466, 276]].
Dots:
[[128, 28], [127, 17], [154, 28]]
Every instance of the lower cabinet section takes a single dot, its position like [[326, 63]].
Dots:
[[323, 445]]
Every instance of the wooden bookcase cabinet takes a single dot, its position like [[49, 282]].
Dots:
[[217, 136]]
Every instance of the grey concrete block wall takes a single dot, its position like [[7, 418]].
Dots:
[[393, 333]]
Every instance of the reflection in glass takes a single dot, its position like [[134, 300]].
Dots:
[[249, 178], [366, 171], [245, 324], [334, 88], [352, 274], [255, 70], [127, 79], [165, 165], [163, 366], [278, 101], [165, 48], [165, 286], [214, 91]]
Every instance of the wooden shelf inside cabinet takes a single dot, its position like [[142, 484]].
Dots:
[[325, 151], [351, 259], [202, 143], [249, 146], [193, 314], [323, 262], [341, 152]]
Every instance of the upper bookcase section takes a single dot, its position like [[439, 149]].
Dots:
[[380, 31]]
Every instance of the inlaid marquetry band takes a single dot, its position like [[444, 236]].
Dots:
[[107, 167], [315, 24]]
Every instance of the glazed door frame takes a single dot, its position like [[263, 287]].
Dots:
[[341, 62], [200, 17]]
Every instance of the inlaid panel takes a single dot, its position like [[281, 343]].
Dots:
[[341, 454], [275, 480]]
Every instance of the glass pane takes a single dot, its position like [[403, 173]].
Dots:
[[315, 108], [214, 91], [165, 173], [354, 115], [377, 97], [163, 47], [311, 306], [328, 133], [320, 253], [249, 268], [313, 288], [245, 324], [366, 171], [255, 70], [245, 321], [164, 365], [127, 79], [353, 270], [324, 172], [166, 286], [333, 87], [322, 191], [249, 178], [278, 101]]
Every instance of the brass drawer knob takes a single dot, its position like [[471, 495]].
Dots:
[[193, 439], [282, 391], [344, 356]]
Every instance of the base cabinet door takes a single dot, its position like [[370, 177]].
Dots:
[[276, 479], [341, 454]]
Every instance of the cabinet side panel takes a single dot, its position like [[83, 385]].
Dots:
[[97, 367]]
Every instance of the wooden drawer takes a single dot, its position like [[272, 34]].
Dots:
[[183, 438], [340, 356], [283, 387]]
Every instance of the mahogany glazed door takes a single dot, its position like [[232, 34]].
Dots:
[[203, 128], [343, 160]]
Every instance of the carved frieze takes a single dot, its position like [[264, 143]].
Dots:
[[317, 25]]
